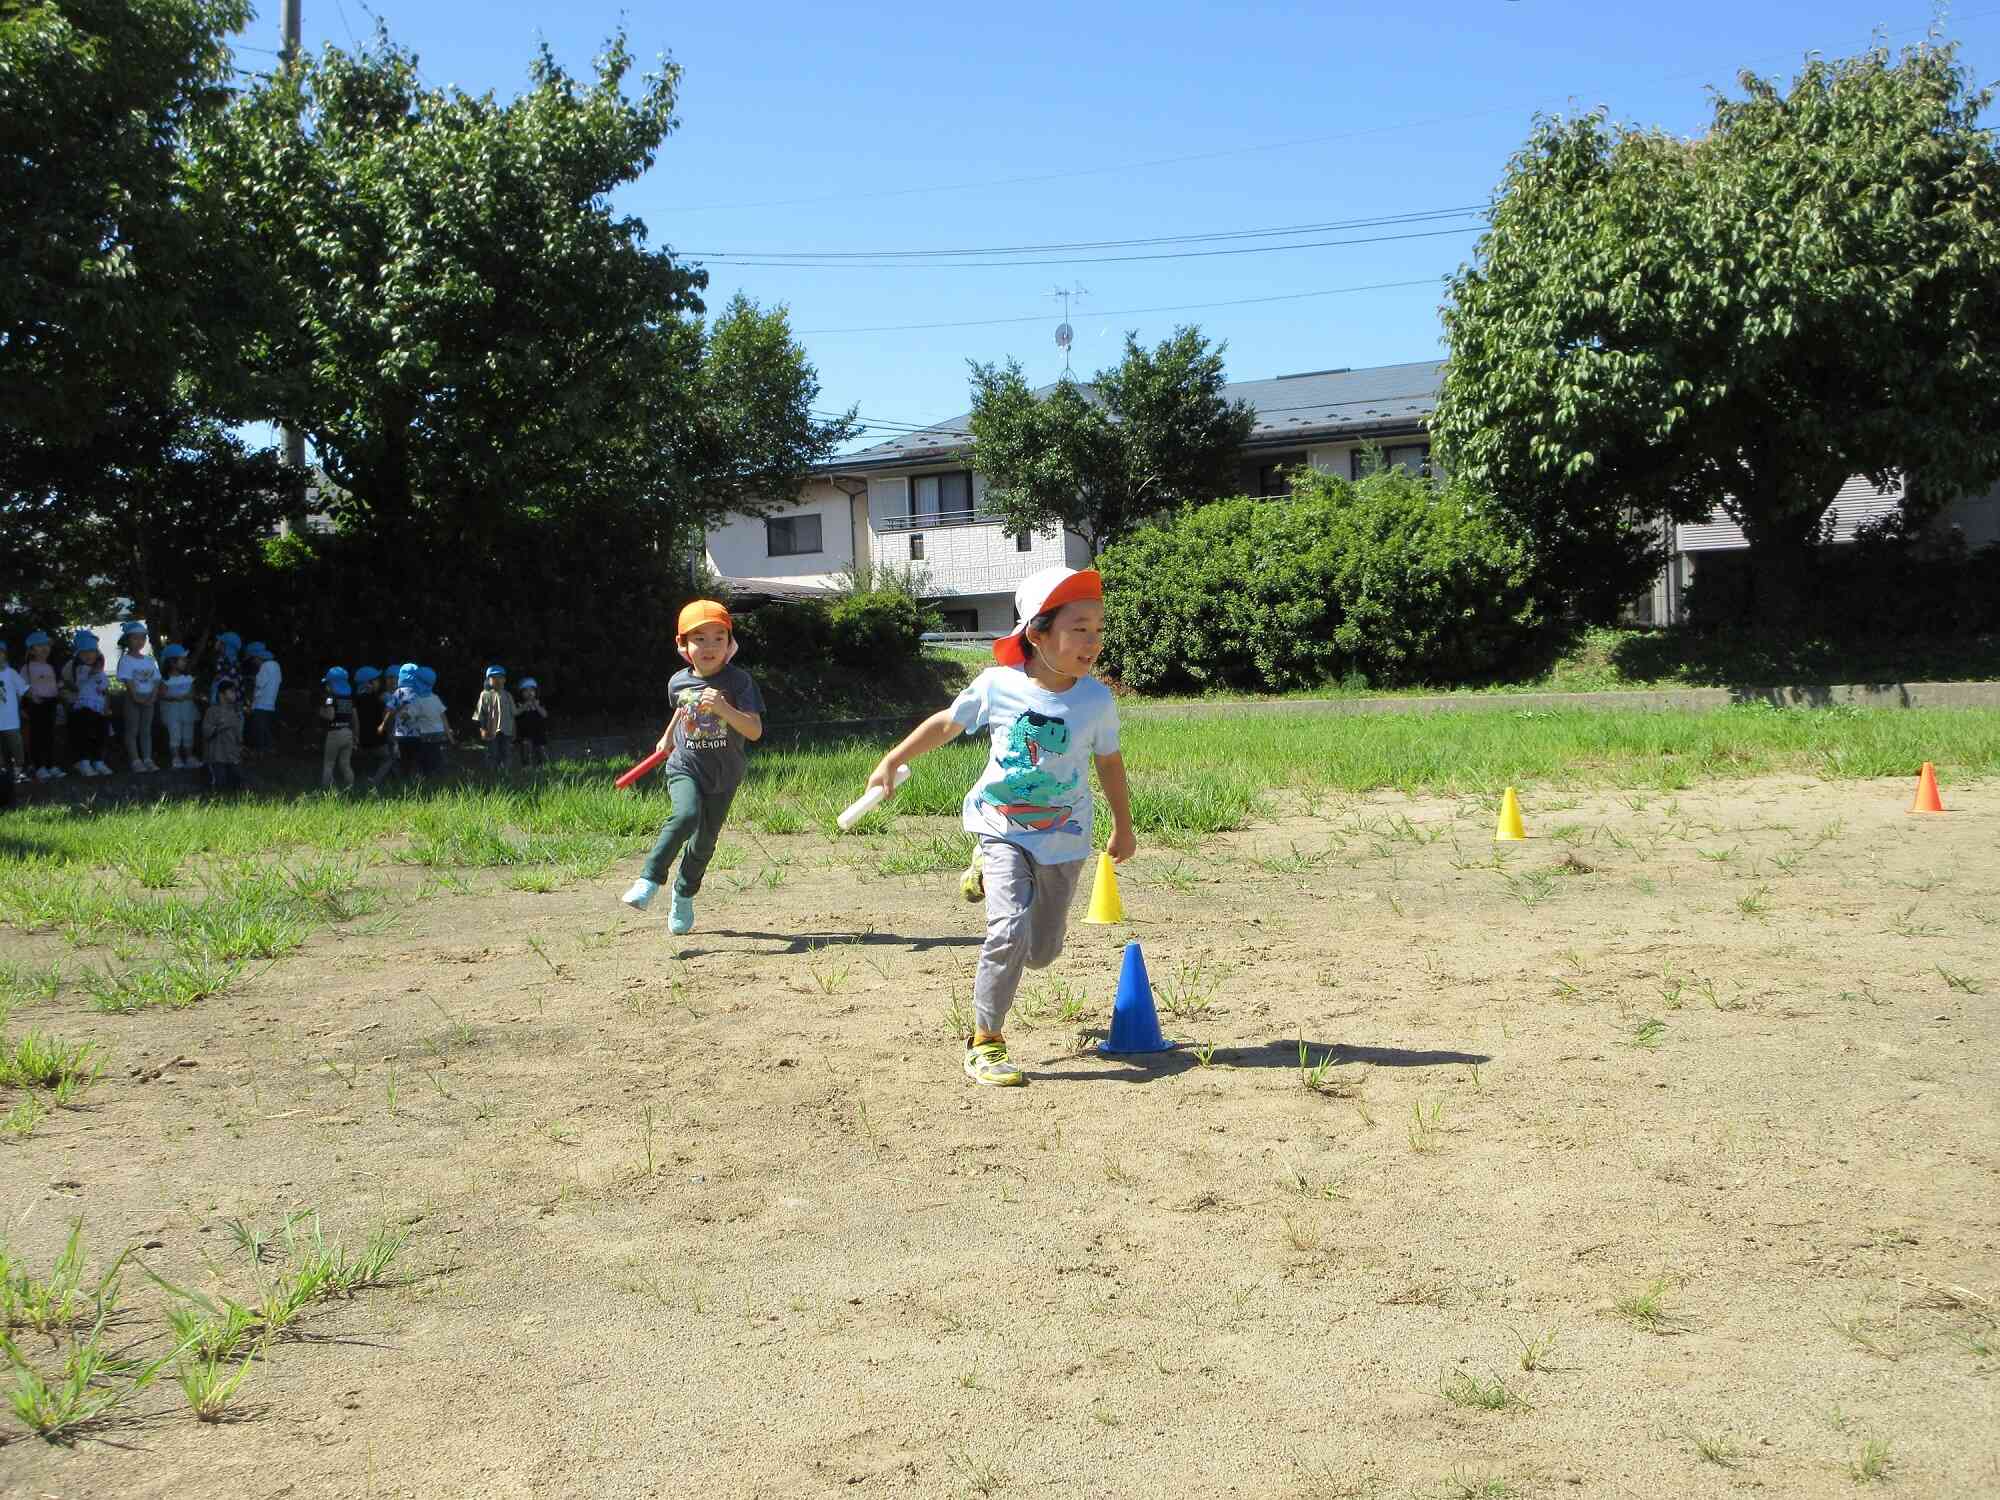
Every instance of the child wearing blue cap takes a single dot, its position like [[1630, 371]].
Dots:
[[44, 703], [85, 690], [367, 684], [336, 711], [433, 729], [531, 717], [139, 675], [495, 715], [262, 734], [178, 711]]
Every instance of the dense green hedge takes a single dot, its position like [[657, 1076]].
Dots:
[[1396, 578]]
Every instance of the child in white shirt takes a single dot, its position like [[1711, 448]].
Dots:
[[13, 693], [140, 675], [178, 710]]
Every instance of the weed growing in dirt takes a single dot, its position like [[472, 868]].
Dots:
[[978, 1476], [1647, 1308], [1965, 984], [1318, 1077], [1648, 1034], [1466, 1389], [1052, 1002], [1188, 992], [1464, 1484], [1719, 1449], [173, 983], [39, 1060], [209, 1385], [1871, 1465], [1535, 1351], [62, 1301], [27, 984], [1426, 1124]]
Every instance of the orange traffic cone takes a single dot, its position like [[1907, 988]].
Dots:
[[1927, 792]]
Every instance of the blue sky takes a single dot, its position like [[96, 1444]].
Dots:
[[814, 128]]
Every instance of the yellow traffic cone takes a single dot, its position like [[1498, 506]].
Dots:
[[1510, 819], [1105, 907]]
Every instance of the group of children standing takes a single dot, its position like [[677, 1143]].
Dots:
[[396, 719], [44, 709], [1049, 722]]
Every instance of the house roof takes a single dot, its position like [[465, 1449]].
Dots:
[[1313, 405]]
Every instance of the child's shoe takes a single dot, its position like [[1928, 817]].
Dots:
[[85, 768], [986, 1062], [639, 894], [680, 921], [57, 773], [972, 884], [103, 769]]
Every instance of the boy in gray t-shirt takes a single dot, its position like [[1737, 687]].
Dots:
[[717, 711]]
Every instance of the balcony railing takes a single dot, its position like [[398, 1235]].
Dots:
[[933, 520]]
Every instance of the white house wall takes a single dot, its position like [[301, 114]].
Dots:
[[978, 559], [1856, 504], [740, 547]]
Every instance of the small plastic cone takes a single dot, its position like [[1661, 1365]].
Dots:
[[1135, 1023], [1927, 791], [1105, 907], [1510, 819]]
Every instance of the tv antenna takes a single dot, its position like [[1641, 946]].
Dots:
[[1066, 335]]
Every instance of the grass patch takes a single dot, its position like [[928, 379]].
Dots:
[[1647, 1308], [1468, 1390]]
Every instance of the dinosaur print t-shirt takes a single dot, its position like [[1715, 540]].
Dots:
[[1035, 790]]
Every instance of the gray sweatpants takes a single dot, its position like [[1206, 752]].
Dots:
[[1027, 917]]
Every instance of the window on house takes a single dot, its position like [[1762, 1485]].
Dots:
[[1416, 457], [1274, 479], [1025, 542], [791, 536], [934, 495], [916, 547]]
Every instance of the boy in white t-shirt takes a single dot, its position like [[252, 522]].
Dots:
[[139, 674], [1030, 809]]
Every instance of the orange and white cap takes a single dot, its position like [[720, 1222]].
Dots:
[[1038, 594]]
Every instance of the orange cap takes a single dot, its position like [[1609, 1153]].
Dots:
[[703, 612]]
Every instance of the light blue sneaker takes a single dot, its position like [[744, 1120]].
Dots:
[[681, 919], [639, 895]]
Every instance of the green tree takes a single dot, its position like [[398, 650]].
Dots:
[[1655, 326], [1147, 436], [104, 277], [464, 327]]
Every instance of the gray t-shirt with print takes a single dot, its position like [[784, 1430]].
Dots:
[[707, 750]]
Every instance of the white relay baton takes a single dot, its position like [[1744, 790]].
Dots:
[[868, 801]]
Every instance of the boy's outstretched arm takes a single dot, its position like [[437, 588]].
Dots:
[[667, 735], [1111, 776], [939, 729]]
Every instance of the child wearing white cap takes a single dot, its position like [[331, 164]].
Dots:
[[1030, 810]]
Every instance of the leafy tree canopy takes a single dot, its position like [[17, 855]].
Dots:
[[1655, 326], [1147, 436]]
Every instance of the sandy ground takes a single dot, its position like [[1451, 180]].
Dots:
[[832, 1266]]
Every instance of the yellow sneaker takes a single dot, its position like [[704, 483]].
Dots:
[[972, 884], [987, 1063]]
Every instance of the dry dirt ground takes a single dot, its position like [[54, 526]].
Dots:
[[721, 1216]]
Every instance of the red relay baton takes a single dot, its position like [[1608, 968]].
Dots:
[[642, 768]]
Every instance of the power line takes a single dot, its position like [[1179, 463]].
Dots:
[[810, 265], [1415, 216], [1125, 312]]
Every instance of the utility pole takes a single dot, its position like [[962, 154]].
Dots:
[[295, 441]]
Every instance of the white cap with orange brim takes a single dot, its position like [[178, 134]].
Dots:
[[1040, 594]]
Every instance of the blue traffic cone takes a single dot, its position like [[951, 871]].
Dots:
[[1135, 1025]]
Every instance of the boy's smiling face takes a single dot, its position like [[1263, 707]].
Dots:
[[707, 647]]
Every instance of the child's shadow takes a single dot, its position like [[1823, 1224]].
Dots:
[[1139, 1067], [814, 942]]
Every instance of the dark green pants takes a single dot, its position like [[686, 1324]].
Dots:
[[697, 823]]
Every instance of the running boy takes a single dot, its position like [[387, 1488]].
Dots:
[[1030, 809], [717, 711]]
